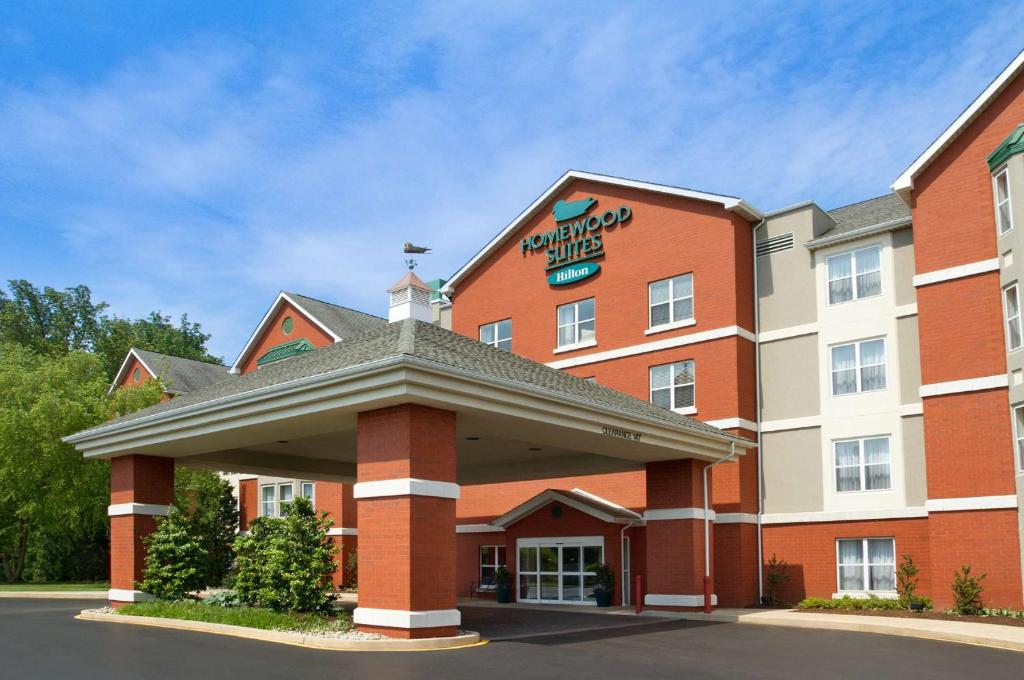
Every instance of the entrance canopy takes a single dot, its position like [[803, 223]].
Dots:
[[516, 419]]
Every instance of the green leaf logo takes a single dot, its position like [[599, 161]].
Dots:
[[566, 210]]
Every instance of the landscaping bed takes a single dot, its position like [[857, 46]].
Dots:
[[907, 614], [250, 617]]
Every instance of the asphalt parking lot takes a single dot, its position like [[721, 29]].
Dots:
[[41, 639]]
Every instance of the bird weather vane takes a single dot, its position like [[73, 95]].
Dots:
[[410, 249]]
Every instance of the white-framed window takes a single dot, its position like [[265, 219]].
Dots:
[[858, 367], [576, 323], [866, 565], [1011, 307], [862, 464], [268, 500], [854, 275], [1018, 434], [307, 490], [491, 557], [497, 334], [1004, 207], [274, 497], [670, 300], [673, 386]]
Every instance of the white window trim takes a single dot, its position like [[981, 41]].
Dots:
[[497, 339], [1006, 317], [854, 273], [858, 366], [861, 465], [1004, 170], [672, 323], [312, 496], [866, 567], [577, 343], [683, 410], [481, 565], [1018, 453]]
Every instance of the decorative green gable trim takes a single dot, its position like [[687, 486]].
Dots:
[[285, 350], [1013, 144]]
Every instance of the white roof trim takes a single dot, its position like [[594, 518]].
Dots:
[[730, 203], [904, 184], [282, 297], [605, 501], [124, 368], [551, 495]]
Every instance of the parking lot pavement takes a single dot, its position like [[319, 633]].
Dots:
[[41, 639]]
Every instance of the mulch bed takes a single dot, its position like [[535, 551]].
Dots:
[[906, 614]]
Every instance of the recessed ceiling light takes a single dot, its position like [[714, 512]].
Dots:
[[282, 441], [472, 439], [534, 448]]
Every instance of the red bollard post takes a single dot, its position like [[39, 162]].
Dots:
[[638, 594]]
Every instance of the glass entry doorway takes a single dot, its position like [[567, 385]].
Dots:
[[558, 570]]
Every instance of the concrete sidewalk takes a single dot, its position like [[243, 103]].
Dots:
[[984, 634]]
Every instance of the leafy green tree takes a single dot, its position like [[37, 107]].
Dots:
[[209, 504], [129, 399], [286, 564], [46, 487], [49, 321], [155, 333], [175, 565]]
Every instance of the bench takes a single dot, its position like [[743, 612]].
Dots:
[[485, 585]]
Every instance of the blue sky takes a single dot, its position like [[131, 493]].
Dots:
[[199, 157]]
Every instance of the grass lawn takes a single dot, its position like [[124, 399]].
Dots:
[[51, 587], [252, 617]]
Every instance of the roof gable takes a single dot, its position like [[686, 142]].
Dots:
[[180, 375], [562, 208], [904, 184], [587, 503]]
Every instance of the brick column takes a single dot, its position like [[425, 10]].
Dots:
[[406, 507], [675, 535], [141, 488]]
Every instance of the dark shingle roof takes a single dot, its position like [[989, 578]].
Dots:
[[342, 321], [182, 375], [867, 214], [431, 342]]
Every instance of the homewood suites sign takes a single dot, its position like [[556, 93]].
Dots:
[[575, 238]]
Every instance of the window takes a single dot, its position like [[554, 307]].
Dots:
[[498, 334], [672, 385], [854, 275], [671, 300], [858, 367], [1018, 433], [273, 497], [268, 501], [491, 557], [307, 491], [287, 325], [136, 374], [284, 496], [1004, 211], [866, 564], [862, 464], [576, 323], [1011, 304]]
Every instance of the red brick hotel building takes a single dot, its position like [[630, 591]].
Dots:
[[663, 380]]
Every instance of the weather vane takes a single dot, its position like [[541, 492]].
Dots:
[[410, 249]]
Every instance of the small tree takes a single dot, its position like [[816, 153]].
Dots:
[[967, 590], [286, 564], [175, 564], [906, 581], [352, 570], [775, 576], [209, 503]]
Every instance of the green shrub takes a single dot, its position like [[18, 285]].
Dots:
[[967, 590], [251, 617], [175, 565], [286, 564], [223, 598], [604, 579], [209, 503], [847, 603], [906, 581], [775, 576], [352, 570], [1010, 613]]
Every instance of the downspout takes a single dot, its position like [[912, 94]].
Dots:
[[622, 560], [707, 531], [757, 394]]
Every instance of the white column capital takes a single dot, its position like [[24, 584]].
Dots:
[[676, 513], [153, 509], [406, 486]]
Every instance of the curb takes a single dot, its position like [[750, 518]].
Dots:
[[54, 594], [990, 635], [297, 639]]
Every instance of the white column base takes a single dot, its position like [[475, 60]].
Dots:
[[406, 486], [651, 599], [397, 618], [119, 595], [119, 509]]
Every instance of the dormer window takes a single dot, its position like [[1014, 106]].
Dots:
[[1004, 210]]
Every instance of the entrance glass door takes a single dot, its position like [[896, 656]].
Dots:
[[562, 572]]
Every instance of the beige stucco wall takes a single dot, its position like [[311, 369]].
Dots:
[[792, 471], [903, 258], [916, 479], [910, 359], [789, 378]]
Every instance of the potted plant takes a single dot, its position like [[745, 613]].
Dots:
[[502, 593], [604, 587]]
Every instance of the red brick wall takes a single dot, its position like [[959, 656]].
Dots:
[[248, 503], [810, 552], [135, 479], [129, 376], [987, 540], [388, 438], [302, 328]]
